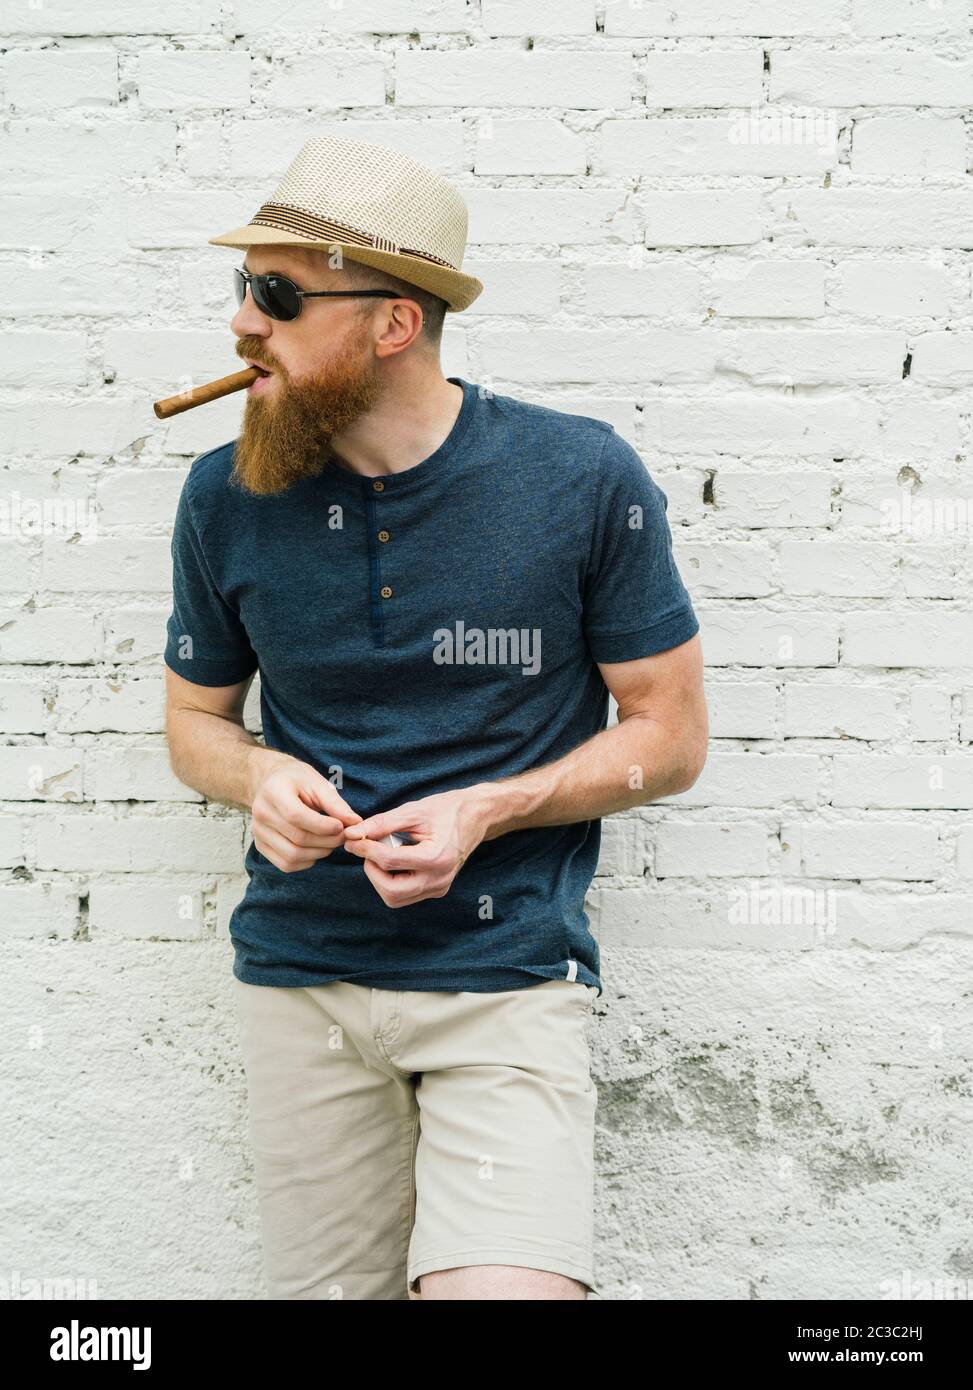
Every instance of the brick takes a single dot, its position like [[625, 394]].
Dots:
[[363, 17], [734, 569], [601, 354], [943, 358], [134, 633], [741, 710], [701, 145], [856, 76], [930, 712], [661, 290], [559, 216], [145, 908], [867, 849], [747, 424], [767, 289], [527, 147], [109, 17], [837, 568], [139, 844], [660, 18], [729, 77], [20, 564], [49, 634], [108, 565], [697, 849], [90, 156], [542, 17], [753, 779], [756, 638], [39, 222], [812, 358], [46, 81], [914, 147], [187, 80], [11, 843], [964, 852], [888, 639], [98, 704], [830, 710], [698, 217], [516, 287], [139, 496], [326, 81], [254, 145], [882, 18], [890, 289], [940, 507], [23, 706], [133, 774], [41, 359], [904, 780], [65, 429], [771, 499], [930, 571], [38, 773], [620, 852], [573, 80], [862, 217], [38, 910]]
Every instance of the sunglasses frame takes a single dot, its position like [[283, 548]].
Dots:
[[245, 277]]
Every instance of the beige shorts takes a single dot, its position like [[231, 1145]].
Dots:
[[396, 1132]]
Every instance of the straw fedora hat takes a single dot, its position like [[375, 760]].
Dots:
[[378, 205]]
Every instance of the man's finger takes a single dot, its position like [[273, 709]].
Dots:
[[323, 794], [283, 854], [306, 839]]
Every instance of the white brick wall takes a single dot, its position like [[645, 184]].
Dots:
[[783, 327]]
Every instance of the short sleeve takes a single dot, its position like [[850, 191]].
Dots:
[[635, 603], [206, 642]]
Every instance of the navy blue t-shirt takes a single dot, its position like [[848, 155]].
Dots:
[[423, 631]]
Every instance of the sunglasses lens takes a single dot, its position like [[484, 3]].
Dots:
[[277, 297], [239, 285]]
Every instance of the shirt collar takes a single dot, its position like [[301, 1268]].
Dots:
[[419, 473]]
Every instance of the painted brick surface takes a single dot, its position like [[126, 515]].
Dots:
[[783, 328]]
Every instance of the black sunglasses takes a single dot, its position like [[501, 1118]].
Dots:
[[279, 298]]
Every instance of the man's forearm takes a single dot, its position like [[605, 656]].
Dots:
[[635, 761], [218, 757]]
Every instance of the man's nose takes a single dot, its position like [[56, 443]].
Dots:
[[248, 319]]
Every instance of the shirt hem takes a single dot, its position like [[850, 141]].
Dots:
[[485, 981], [644, 641]]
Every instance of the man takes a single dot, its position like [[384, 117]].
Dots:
[[439, 586]]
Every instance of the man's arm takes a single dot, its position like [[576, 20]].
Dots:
[[657, 748], [209, 747], [298, 815]]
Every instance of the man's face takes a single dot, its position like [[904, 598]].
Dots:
[[323, 372]]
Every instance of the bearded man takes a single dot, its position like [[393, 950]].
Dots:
[[439, 585]]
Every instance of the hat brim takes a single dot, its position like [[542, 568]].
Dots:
[[458, 290]]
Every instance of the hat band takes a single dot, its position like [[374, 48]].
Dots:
[[308, 224]]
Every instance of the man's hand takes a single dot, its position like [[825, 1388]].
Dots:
[[446, 828], [298, 815]]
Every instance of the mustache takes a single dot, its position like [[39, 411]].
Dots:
[[254, 355]]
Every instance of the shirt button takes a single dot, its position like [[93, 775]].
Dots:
[[383, 535], [386, 591], [378, 485]]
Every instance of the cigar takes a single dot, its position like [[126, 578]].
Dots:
[[209, 391]]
